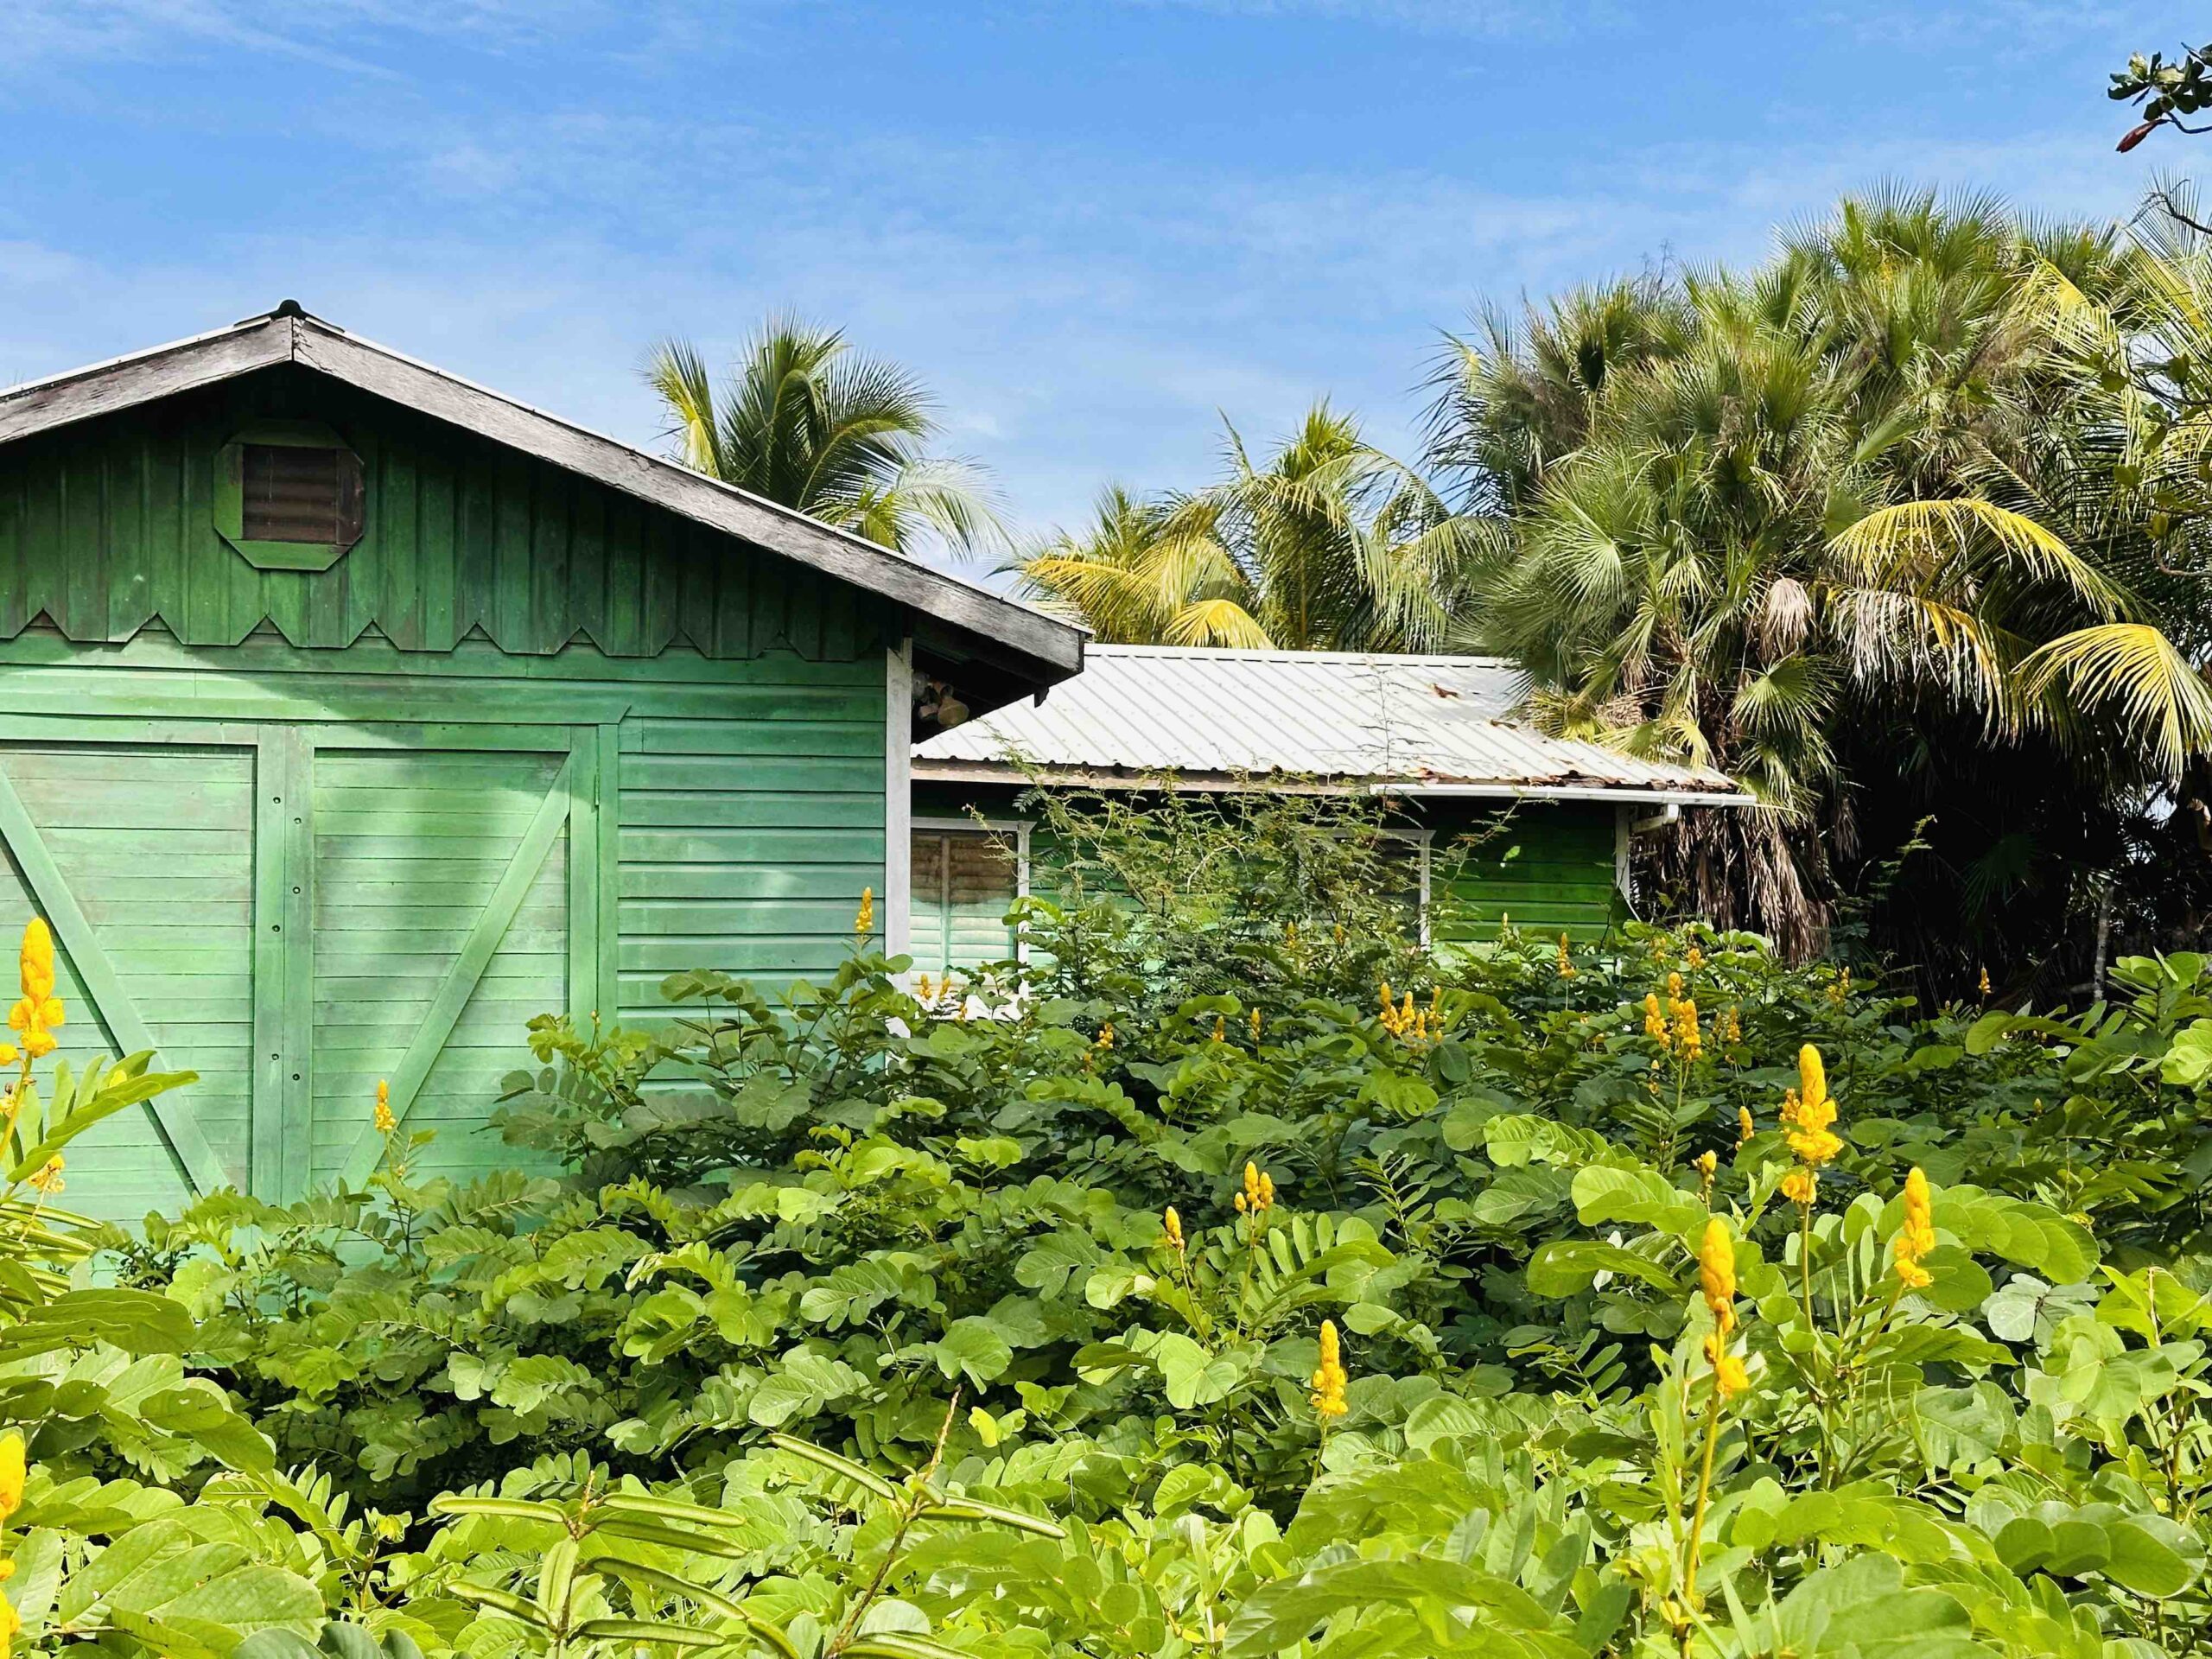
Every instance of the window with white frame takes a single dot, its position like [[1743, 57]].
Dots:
[[965, 878]]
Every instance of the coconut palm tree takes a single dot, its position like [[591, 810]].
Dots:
[[1325, 544], [806, 420]]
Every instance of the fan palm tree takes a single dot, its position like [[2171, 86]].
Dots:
[[1325, 544], [807, 421], [1825, 497]]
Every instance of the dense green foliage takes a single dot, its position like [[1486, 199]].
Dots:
[[885, 1318]]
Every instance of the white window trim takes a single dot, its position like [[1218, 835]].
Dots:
[[1017, 827], [1426, 840]]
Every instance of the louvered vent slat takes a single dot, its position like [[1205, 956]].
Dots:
[[296, 493]]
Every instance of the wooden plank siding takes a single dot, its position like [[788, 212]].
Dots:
[[530, 746]]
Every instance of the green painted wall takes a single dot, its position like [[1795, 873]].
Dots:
[[1548, 867], [528, 746]]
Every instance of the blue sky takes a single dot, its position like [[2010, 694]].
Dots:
[[1093, 227]]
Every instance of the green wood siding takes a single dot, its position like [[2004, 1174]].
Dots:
[[530, 746], [1560, 877], [108, 526]]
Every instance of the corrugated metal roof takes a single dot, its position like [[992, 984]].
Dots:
[[1136, 711]]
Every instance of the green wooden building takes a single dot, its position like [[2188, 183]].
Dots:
[[350, 714], [1492, 813]]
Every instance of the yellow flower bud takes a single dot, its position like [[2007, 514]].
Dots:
[[1330, 1377], [1729, 1377], [1716, 1272], [37, 960], [13, 1469], [1812, 1078]]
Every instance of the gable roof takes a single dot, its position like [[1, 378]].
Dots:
[[1419, 725], [1019, 641]]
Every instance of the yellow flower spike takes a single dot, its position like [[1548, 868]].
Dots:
[[1917, 1237], [1687, 1033], [1175, 1226], [14, 1468], [864, 918], [1716, 1274], [1706, 1163], [1985, 983], [1220, 1028], [1252, 1185], [1242, 1203], [1746, 1129], [1566, 963], [1695, 958], [385, 1122], [1808, 1110], [1655, 1023], [1389, 1002], [1674, 987], [1802, 1187], [1267, 1190], [1256, 1025], [1330, 1377]]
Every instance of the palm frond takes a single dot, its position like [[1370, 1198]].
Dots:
[[2133, 670]]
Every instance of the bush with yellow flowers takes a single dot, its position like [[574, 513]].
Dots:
[[1179, 1291]]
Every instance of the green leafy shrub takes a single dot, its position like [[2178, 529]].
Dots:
[[885, 1319]]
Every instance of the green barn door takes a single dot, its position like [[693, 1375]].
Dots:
[[140, 857], [452, 895]]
